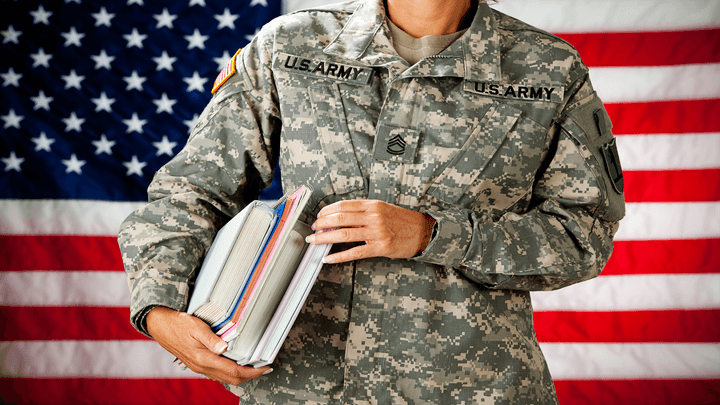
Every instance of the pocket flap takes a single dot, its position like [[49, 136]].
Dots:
[[335, 138], [475, 154]]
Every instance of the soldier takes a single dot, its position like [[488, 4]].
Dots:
[[464, 158]]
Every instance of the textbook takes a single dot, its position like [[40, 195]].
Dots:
[[256, 277]]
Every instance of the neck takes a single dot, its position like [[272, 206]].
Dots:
[[428, 17]]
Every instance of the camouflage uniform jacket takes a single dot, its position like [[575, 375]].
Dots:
[[500, 138]]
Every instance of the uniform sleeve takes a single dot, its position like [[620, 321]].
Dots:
[[228, 159], [566, 236]]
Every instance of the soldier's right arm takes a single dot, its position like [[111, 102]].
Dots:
[[228, 159]]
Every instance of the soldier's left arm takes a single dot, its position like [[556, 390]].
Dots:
[[567, 234]]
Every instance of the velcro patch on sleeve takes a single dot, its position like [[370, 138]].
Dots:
[[225, 74]]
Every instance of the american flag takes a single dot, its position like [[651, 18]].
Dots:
[[96, 96]]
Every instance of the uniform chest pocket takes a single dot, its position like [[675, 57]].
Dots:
[[335, 139], [490, 171]]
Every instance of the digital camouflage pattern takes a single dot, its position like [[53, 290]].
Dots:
[[500, 138]]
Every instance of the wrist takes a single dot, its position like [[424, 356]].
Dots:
[[428, 233]]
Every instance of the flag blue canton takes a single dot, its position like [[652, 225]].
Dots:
[[97, 96]]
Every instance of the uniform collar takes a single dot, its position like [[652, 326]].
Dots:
[[359, 40]]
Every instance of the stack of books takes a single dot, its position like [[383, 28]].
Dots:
[[256, 277]]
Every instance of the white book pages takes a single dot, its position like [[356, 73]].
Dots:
[[269, 293], [216, 257]]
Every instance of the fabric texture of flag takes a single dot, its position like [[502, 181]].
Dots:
[[96, 96]]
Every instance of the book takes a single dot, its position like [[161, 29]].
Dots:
[[256, 276], [290, 306]]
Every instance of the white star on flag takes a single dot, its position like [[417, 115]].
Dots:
[[226, 19], [73, 80], [134, 39], [103, 17], [12, 119], [197, 2], [134, 166], [41, 16], [165, 19], [260, 2], [103, 60], [42, 142], [11, 78], [73, 37], [103, 103], [139, 2], [223, 60], [195, 82], [103, 145], [251, 36], [11, 35], [134, 81], [191, 122], [73, 123], [13, 162], [134, 124], [164, 146], [41, 58], [73, 164], [164, 104], [196, 40], [164, 61], [41, 101]]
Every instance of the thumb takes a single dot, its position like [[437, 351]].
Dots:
[[210, 340]]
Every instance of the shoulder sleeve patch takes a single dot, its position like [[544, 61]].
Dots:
[[225, 73]]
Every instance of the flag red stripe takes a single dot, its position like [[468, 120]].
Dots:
[[672, 185], [696, 256], [71, 323], [647, 48], [665, 117], [668, 326], [638, 392], [202, 391], [107, 391], [73, 253], [59, 252], [67, 323]]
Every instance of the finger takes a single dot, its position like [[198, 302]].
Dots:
[[341, 220], [343, 206], [342, 235], [207, 338], [356, 253], [225, 370]]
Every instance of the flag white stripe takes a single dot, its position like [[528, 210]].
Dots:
[[644, 221], [656, 221], [611, 293], [643, 361], [636, 292], [611, 15], [69, 217], [64, 288], [569, 16], [656, 83], [146, 359], [98, 359], [669, 151]]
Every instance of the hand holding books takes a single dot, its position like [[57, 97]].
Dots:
[[256, 277]]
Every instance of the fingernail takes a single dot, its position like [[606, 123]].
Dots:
[[268, 371], [310, 239], [313, 226], [221, 347], [327, 260]]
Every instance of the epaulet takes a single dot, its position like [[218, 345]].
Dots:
[[225, 74]]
